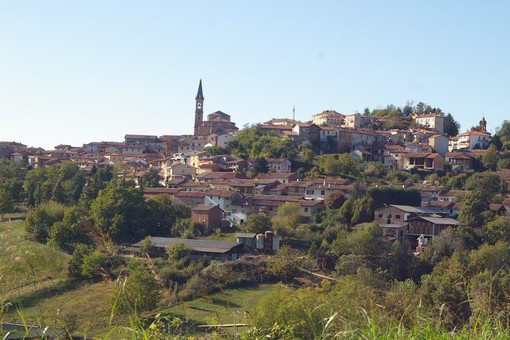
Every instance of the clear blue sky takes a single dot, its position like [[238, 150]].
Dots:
[[78, 71]]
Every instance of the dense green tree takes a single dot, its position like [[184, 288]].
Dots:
[[489, 183], [503, 134], [151, 179], [346, 211], [75, 263], [400, 177], [490, 158], [475, 212], [367, 241], [338, 165], [497, 230], [288, 215], [140, 292], [451, 126], [334, 200], [362, 210], [74, 228], [480, 274], [444, 245], [489, 281], [306, 155], [36, 186], [444, 290], [215, 150], [503, 163], [365, 246], [252, 143], [286, 264], [258, 223], [389, 111], [6, 203], [185, 228], [374, 170], [178, 251], [39, 222], [260, 165], [62, 183], [455, 181], [11, 180], [394, 195], [97, 181], [163, 214], [120, 211], [94, 266]]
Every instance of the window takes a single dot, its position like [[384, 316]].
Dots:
[[380, 216], [323, 192], [306, 209], [309, 192], [397, 217], [389, 215]]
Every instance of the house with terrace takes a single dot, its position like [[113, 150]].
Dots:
[[423, 161], [461, 160], [428, 226]]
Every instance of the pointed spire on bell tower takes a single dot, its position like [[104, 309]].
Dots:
[[199, 93], [199, 109]]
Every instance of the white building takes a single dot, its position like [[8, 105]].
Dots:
[[432, 122]]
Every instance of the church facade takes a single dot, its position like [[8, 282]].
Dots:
[[217, 123]]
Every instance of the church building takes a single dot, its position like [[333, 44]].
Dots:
[[217, 123]]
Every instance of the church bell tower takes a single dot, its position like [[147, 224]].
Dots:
[[199, 109]]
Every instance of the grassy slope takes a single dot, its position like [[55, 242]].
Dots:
[[228, 306], [83, 309], [51, 298], [11, 235]]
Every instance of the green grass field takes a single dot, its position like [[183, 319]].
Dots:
[[83, 309], [226, 307], [12, 234]]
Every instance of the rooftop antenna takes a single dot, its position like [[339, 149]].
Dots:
[[294, 112]]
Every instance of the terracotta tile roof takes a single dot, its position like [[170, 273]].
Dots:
[[196, 194], [203, 207], [459, 155], [429, 115], [452, 193], [276, 176], [475, 132], [441, 204], [159, 191], [495, 207], [221, 193]]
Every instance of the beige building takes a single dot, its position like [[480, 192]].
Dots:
[[329, 117]]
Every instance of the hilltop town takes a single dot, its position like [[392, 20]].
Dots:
[[193, 169], [394, 201]]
